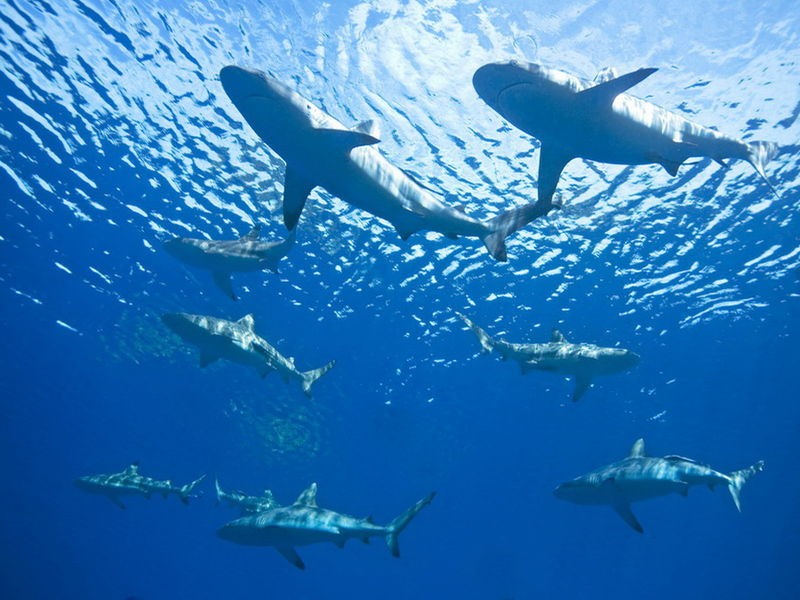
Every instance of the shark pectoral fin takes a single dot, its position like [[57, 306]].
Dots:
[[551, 162], [340, 542], [683, 489], [291, 555], [365, 540], [345, 140], [582, 383], [603, 94], [295, 192], [206, 358], [117, 501], [368, 127], [264, 370], [223, 281], [623, 509]]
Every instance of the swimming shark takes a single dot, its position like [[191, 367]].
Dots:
[[597, 120], [238, 342], [246, 504], [321, 151], [582, 361], [223, 257], [129, 482], [639, 477], [304, 523]]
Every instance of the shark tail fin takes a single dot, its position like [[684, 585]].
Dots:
[[758, 155], [487, 343], [397, 526], [504, 224], [218, 490], [310, 377], [186, 490], [738, 479]]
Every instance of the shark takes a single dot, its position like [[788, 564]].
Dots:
[[246, 504], [640, 477], [130, 482], [304, 522], [599, 121], [238, 342], [223, 257], [321, 151], [581, 361]]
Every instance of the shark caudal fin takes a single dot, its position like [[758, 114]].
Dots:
[[738, 479], [758, 155], [397, 526], [186, 490], [504, 224], [218, 490], [310, 377], [487, 343]]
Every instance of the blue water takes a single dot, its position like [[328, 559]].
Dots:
[[115, 135]]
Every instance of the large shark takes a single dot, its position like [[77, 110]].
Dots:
[[597, 120], [305, 523], [639, 477], [582, 361], [321, 151], [238, 342], [223, 257], [248, 505], [129, 482]]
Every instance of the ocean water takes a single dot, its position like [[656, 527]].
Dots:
[[116, 135]]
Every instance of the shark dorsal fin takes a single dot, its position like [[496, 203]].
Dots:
[[308, 497], [252, 235], [557, 337], [605, 74], [603, 94], [637, 450], [369, 127], [133, 469], [247, 321]]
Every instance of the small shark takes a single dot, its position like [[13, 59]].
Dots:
[[247, 504], [305, 523], [223, 257], [238, 342], [129, 483], [582, 361], [321, 151], [640, 477], [596, 120]]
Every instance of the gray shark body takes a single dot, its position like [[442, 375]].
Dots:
[[640, 477], [304, 523], [224, 257], [248, 505], [597, 120], [581, 361], [321, 151], [130, 483], [238, 342]]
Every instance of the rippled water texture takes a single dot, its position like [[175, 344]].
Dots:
[[115, 122]]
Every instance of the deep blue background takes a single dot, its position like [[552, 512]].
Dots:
[[410, 406]]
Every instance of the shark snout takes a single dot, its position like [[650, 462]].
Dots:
[[177, 322], [492, 79], [240, 83]]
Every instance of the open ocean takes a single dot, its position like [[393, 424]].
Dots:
[[116, 135]]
